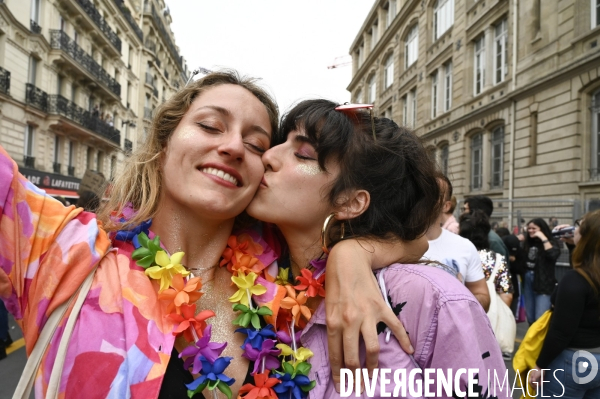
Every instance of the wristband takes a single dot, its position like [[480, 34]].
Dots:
[[545, 241]]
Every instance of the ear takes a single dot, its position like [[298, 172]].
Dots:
[[353, 204], [447, 205]]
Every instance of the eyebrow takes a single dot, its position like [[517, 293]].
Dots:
[[300, 138], [225, 112]]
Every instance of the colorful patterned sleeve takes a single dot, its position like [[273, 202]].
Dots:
[[46, 249]]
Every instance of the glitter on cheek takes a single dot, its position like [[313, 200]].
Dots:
[[308, 169]]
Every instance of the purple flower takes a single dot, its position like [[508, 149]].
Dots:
[[291, 387], [319, 265], [131, 235], [212, 372], [285, 337], [202, 349], [257, 337], [267, 352]]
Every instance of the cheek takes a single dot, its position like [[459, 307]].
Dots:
[[305, 169]]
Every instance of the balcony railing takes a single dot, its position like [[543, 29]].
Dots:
[[61, 106], [128, 146], [71, 170], [36, 97], [166, 36], [149, 79], [175, 83], [4, 81], [150, 45], [130, 20], [35, 27], [29, 161], [147, 113], [61, 41], [56, 167], [595, 174], [100, 22]]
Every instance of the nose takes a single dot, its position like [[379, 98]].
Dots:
[[233, 146], [271, 158]]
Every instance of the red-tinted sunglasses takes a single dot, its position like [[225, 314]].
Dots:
[[349, 109]]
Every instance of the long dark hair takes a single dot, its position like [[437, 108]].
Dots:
[[535, 242], [394, 168], [586, 255]]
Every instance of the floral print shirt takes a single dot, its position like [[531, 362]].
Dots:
[[502, 282]]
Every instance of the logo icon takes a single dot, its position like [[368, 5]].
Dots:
[[590, 364]]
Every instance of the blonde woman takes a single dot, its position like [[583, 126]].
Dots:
[[196, 173]]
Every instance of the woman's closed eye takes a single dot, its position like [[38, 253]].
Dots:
[[209, 127], [306, 152], [256, 148]]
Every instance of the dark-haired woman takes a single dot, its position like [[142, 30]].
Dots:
[[571, 351], [331, 175], [475, 227], [542, 252]]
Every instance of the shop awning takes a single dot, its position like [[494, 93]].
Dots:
[[62, 193]]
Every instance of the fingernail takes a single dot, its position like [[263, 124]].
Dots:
[[337, 387], [411, 349]]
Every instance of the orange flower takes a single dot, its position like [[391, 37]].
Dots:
[[188, 322], [263, 388], [181, 293], [239, 255], [312, 286], [296, 304]]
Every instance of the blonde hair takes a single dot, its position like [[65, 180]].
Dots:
[[139, 186]]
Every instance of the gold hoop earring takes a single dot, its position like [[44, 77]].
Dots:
[[324, 232]]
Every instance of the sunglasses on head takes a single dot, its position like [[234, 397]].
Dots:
[[350, 109]]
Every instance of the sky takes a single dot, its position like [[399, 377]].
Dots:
[[288, 44]]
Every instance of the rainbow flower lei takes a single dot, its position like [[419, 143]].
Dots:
[[280, 368]]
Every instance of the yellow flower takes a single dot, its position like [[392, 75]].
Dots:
[[283, 276], [246, 288], [300, 355], [167, 268]]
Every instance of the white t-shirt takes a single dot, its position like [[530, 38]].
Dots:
[[457, 253]]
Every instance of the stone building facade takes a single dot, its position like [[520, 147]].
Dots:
[[74, 88], [505, 93]]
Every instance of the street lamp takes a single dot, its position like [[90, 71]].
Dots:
[[196, 72]]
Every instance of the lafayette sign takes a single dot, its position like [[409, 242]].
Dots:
[[50, 180]]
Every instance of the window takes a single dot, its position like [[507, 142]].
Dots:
[[595, 13], [59, 84], [90, 158], [372, 89], [388, 113], [391, 12], [411, 46], [500, 52], [56, 149], [32, 70], [388, 72], [443, 17], [71, 153], [448, 86], [497, 157], [405, 110], [476, 164], [444, 154], [434, 94], [100, 162], [61, 21], [358, 97], [360, 54], [479, 64], [113, 167], [374, 35], [73, 92], [595, 171], [29, 137], [413, 94]]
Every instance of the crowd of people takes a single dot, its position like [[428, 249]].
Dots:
[[297, 224]]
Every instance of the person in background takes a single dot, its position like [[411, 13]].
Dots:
[[542, 251], [517, 266], [575, 322], [475, 227], [5, 338], [486, 205], [552, 222], [448, 220], [502, 232], [459, 254]]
